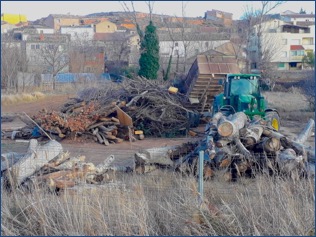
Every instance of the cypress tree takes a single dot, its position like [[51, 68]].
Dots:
[[149, 58]]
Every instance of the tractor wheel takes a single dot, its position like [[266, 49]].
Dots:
[[273, 120]]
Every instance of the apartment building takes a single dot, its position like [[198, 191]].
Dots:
[[283, 44]]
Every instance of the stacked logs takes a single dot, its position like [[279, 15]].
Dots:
[[53, 169], [77, 118], [236, 146], [243, 147]]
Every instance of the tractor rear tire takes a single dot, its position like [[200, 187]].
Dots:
[[273, 119]]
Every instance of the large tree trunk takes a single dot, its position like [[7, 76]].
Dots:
[[36, 157], [230, 127], [306, 133]]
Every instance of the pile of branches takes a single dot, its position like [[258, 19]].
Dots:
[[152, 108], [94, 114]]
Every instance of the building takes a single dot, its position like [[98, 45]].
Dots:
[[185, 47], [13, 18], [121, 48], [55, 21], [81, 33], [87, 59], [47, 53], [6, 27], [283, 44], [105, 27], [224, 18]]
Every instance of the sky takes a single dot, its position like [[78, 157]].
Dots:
[[38, 9]]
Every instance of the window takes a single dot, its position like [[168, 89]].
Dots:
[[206, 44], [284, 41], [32, 46], [37, 46], [253, 65], [51, 47], [297, 53], [176, 44], [308, 41], [281, 65], [283, 54]]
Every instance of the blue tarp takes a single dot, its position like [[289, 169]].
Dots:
[[75, 77]]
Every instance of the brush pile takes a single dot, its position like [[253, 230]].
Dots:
[[112, 114]]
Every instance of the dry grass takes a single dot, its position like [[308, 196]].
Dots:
[[291, 105], [12, 99], [165, 204]]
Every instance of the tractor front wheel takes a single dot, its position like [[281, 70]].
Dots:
[[273, 119]]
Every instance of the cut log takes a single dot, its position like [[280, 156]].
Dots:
[[59, 159], [230, 127], [105, 165], [100, 140], [115, 120], [306, 133], [288, 161], [107, 129], [36, 157], [252, 135], [216, 118], [268, 144], [71, 163]]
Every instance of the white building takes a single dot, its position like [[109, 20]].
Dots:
[[283, 44], [82, 33]]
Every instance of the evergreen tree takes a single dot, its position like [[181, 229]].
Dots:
[[149, 58]]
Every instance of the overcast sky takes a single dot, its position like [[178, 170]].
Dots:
[[38, 9]]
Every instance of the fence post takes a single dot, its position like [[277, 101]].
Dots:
[[201, 166]]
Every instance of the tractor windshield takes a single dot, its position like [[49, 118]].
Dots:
[[244, 87]]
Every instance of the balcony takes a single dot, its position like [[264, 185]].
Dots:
[[296, 58]]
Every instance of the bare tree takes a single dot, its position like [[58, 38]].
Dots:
[[54, 55], [254, 20], [12, 62]]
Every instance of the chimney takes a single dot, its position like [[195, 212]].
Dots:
[[41, 37]]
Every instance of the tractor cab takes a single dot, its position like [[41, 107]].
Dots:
[[242, 94]]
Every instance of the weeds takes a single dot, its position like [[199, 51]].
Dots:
[[12, 99], [165, 204]]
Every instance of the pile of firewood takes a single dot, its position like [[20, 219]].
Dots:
[[52, 168], [241, 148], [112, 115], [79, 118]]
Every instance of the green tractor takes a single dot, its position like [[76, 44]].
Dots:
[[242, 94]]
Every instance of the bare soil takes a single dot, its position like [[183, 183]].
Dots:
[[95, 152]]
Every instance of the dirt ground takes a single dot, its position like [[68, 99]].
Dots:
[[95, 152]]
